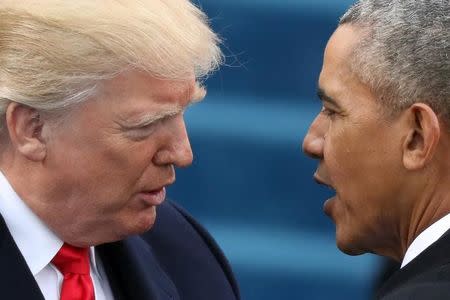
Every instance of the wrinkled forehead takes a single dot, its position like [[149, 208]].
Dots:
[[130, 83]]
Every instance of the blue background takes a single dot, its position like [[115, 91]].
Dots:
[[250, 184]]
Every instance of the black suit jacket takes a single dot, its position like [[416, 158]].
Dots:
[[176, 259], [425, 277]]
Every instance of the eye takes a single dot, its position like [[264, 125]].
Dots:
[[327, 112], [142, 132]]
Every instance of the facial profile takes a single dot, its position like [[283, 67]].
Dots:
[[92, 107], [359, 152], [109, 161]]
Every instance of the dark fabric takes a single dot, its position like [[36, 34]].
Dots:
[[386, 267], [16, 279], [191, 257], [176, 260], [426, 277]]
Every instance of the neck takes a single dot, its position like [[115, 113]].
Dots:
[[433, 205], [33, 188]]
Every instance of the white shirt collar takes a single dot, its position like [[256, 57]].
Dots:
[[426, 238], [37, 243]]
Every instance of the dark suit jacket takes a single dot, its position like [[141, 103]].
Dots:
[[176, 259], [425, 277]]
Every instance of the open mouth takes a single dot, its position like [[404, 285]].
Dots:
[[322, 182]]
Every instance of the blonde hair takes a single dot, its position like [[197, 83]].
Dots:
[[54, 53]]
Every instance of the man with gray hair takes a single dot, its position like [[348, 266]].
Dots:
[[92, 95], [383, 138]]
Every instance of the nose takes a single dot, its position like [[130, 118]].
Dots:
[[178, 151], [313, 142]]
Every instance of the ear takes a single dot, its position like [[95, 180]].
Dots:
[[25, 131], [423, 136]]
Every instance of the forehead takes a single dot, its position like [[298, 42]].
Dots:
[[338, 53], [137, 84], [337, 78], [135, 94]]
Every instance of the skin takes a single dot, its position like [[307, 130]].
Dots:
[[89, 177], [390, 173]]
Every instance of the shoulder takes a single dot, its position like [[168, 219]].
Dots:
[[190, 256], [421, 291], [426, 277], [433, 284]]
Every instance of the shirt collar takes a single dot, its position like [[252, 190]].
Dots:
[[37, 243], [426, 238]]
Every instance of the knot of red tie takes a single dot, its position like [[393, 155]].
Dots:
[[73, 260], [73, 263]]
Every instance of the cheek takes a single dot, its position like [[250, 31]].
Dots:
[[125, 156], [340, 153], [102, 169], [350, 158], [363, 167]]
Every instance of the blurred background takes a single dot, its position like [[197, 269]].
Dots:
[[250, 184]]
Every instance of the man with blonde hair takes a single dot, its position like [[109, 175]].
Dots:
[[92, 95], [383, 138]]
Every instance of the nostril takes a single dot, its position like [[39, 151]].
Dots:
[[177, 156]]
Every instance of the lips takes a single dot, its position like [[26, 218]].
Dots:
[[154, 197], [329, 203], [320, 181], [156, 194]]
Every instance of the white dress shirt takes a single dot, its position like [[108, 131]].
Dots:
[[38, 245], [426, 238]]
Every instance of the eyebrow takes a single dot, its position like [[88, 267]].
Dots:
[[197, 96], [324, 97], [143, 120], [150, 118]]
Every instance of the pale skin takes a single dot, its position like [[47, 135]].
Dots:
[[391, 174], [89, 177]]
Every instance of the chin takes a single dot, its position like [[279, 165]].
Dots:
[[349, 250], [131, 224], [349, 244], [143, 222]]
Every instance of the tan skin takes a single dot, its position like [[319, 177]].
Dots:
[[391, 174], [85, 176]]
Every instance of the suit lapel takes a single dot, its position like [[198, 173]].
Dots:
[[16, 280], [434, 256], [131, 267], [134, 273]]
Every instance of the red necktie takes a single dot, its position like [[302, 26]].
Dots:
[[73, 263]]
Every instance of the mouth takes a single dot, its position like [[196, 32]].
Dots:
[[329, 203], [156, 196], [324, 183]]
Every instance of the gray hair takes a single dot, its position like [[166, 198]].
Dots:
[[405, 53], [55, 53]]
